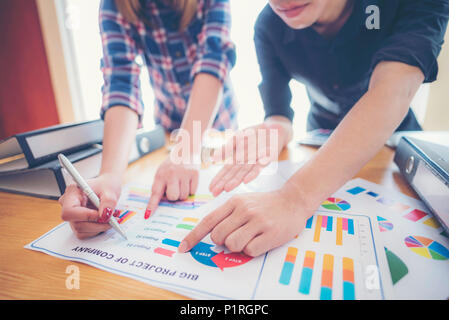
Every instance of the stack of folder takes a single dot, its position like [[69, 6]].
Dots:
[[29, 164]]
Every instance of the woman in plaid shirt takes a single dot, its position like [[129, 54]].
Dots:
[[186, 47]]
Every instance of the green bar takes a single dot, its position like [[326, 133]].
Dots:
[[184, 226]]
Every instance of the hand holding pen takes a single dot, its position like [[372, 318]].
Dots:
[[86, 215]]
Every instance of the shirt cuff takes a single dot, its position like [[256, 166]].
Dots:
[[215, 64], [117, 98]]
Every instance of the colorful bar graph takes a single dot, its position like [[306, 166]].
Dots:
[[322, 222], [138, 198], [307, 272], [139, 195], [348, 279], [327, 277], [289, 264], [191, 203], [124, 216], [344, 224]]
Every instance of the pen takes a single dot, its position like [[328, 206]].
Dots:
[[65, 163]]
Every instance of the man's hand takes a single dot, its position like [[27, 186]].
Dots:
[[253, 223], [248, 152]]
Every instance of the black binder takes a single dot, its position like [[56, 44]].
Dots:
[[48, 180], [33, 148], [425, 166]]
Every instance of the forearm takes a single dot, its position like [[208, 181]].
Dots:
[[120, 126], [202, 108], [360, 135]]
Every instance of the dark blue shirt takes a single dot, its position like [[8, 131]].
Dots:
[[337, 71]]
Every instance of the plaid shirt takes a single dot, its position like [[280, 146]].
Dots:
[[173, 59]]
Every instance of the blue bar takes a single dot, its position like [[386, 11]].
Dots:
[[348, 291], [309, 223], [326, 293], [356, 190], [171, 242], [372, 194], [286, 273], [329, 223], [306, 280], [123, 214], [350, 226]]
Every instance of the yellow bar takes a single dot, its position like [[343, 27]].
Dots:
[[348, 264], [292, 251], [328, 262], [339, 231], [190, 219], [316, 237]]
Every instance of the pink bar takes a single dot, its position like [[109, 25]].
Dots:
[[345, 224], [164, 252], [324, 222]]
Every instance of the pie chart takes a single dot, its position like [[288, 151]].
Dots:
[[336, 204], [427, 248]]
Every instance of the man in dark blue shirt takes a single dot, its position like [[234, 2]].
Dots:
[[336, 67], [362, 62]]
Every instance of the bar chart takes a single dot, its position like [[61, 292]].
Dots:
[[324, 223], [327, 261]]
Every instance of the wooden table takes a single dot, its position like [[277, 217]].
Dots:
[[26, 274]]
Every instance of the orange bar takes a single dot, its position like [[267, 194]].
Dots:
[[316, 237], [328, 267], [326, 279], [348, 270], [339, 231], [309, 260]]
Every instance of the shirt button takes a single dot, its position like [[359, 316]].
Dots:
[[178, 53], [336, 86]]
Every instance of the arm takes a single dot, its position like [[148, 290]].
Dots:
[[257, 222], [121, 110], [360, 135], [247, 156], [177, 177]]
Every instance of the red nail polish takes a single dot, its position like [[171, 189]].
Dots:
[[107, 213], [116, 213], [147, 213]]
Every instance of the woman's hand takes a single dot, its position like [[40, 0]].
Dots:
[[85, 220], [248, 152], [176, 181], [254, 223]]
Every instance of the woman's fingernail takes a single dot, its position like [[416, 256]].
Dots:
[[107, 213], [147, 213], [116, 213], [182, 247]]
